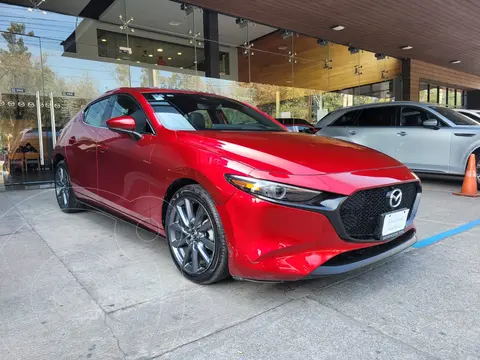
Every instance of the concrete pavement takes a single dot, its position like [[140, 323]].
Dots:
[[90, 286]]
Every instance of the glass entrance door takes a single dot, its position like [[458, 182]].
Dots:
[[25, 136]]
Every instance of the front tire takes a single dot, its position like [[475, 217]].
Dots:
[[66, 199], [196, 237]]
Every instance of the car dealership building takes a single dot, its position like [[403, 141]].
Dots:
[[290, 58]]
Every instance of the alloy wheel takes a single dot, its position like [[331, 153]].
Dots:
[[478, 170], [191, 236], [62, 187]]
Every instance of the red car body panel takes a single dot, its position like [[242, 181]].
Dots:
[[266, 241]]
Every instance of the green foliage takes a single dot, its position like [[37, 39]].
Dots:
[[22, 65]]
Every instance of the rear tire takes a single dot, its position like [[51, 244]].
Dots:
[[195, 236], [66, 199]]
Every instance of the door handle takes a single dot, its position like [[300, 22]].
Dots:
[[72, 140], [102, 148], [402, 133], [352, 132]]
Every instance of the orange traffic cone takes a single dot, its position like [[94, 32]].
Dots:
[[469, 187]]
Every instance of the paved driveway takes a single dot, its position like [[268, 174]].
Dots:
[[89, 286]]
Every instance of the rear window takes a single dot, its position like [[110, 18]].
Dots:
[[471, 116], [454, 116]]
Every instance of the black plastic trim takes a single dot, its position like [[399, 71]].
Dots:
[[464, 134], [327, 270]]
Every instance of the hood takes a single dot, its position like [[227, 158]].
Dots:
[[290, 153]]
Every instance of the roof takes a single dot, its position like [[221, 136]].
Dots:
[[437, 31], [156, 90], [381, 104]]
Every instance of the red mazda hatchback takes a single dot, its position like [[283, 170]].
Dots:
[[234, 192]]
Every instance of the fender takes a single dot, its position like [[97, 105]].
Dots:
[[472, 148]]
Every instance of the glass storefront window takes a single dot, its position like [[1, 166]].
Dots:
[[436, 94], [113, 45], [460, 98], [54, 64], [442, 95], [423, 96]]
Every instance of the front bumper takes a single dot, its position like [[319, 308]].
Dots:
[[356, 259], [274, 242]]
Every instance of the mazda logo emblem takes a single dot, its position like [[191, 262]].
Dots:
[[395, 198]]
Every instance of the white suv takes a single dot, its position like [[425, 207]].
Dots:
[[427, 138]]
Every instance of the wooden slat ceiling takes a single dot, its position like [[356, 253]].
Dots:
[[438, 30]]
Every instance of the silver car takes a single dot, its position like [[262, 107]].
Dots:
[[472, 114], [427, 138]]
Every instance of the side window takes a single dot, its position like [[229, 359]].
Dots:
[[378, 116], [95, 114], [347, 119], [206, 117], [471, 116], [235, 117], [412, 116], [125, 106]]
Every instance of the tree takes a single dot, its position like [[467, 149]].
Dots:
[[23, 65], [17, 69], [122, 74], [170, 80], [16, 44]]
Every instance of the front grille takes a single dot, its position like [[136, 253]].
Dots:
[[360, 212]]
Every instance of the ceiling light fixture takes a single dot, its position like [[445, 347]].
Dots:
[[169, 59], [455, 61], [406, 47], [150, 55], [36, 6], [322, 42], [138, 62], [181, 67], [353, 50], [241, 22], [104, 40], [126, 24], [160, 50], [179, 53], [187, 8], [338, 27], [286, 34]]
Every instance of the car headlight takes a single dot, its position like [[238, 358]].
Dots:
[[272, 190]]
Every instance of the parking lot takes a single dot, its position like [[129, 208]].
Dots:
[[90, 286]]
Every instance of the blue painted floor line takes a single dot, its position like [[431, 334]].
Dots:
[[436, 238]]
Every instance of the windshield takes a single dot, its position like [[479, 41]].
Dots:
[[454, 116], [203, 112]]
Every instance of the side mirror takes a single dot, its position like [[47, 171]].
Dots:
[[124, 125], [308, 131], [431, 123]]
